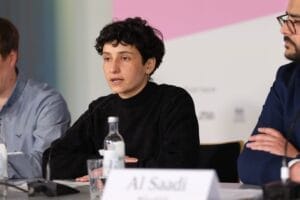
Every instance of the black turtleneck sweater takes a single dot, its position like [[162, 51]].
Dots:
[[159, 127]]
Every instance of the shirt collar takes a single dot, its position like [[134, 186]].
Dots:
[[19, 87]]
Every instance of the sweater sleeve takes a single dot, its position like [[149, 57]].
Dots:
[[179, 133], [259, 167], [68, 154]]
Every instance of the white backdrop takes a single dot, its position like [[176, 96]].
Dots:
[[228, 72]]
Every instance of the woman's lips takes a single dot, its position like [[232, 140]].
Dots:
[[116, 80]]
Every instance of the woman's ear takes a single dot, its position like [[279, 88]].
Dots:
[[150, 65]]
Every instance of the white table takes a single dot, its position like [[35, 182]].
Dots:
[[228, 191], [236, 191]]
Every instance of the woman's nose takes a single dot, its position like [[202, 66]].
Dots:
[[115, 66]]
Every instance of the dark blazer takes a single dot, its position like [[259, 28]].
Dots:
[[279, 112]]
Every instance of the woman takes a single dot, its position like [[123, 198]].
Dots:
[[158, 122]]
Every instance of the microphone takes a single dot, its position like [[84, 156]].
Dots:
[[284, 189], [48, 187]]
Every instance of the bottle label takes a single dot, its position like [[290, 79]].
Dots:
[[113, 157], [108, 159], [119, 147]]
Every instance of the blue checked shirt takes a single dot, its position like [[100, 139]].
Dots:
[[33, 117]]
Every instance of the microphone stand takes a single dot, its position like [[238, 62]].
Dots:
[[48, 187], [285, 189]]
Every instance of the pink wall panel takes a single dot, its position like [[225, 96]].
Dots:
[[177, 18]]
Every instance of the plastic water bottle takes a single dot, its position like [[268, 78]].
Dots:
[[114, 147]]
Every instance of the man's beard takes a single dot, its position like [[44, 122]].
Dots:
[[296, 55]]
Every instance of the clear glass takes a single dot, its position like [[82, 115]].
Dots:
[[97, 181]]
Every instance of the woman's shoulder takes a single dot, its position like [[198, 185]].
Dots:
[[101, 102], [173, 90]]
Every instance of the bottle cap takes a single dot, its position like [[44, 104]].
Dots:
[[112, 119]]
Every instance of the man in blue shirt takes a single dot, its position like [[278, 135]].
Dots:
[[32, 114], [279, 122]]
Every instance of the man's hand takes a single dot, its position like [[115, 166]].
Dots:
[[272, 141], [295, 172]]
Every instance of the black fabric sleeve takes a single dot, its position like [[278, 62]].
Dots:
[[68, 154]]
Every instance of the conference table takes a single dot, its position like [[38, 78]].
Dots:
[[228, 191]]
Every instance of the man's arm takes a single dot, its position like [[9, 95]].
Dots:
[[256, 166], [272, 141], [52, 121], [261, 159]]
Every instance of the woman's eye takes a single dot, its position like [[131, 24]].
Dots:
[[106, 58], [126, 58]]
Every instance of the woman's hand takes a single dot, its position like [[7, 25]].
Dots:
[[130, 159], [82, 179], [86, 177]]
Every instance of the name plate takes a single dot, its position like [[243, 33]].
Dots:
[[161, 184]]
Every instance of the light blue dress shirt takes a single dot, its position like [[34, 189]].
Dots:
[[33, 117]]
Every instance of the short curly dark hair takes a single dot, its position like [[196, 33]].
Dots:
[[137, 32], [9, 37]]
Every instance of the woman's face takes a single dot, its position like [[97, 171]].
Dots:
[[124, 70]]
